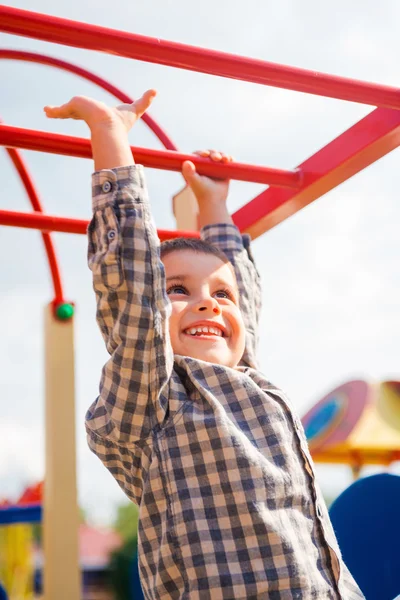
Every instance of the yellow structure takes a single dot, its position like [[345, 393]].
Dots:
[[16, 561], [357, 424], [185, 208], [389, 403], [62, 580]]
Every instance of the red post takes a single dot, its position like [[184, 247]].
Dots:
[[366, 142]]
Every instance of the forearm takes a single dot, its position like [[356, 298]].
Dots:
[[212, 213], [110, 145], [132, 307]]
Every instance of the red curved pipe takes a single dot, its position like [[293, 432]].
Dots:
[[85, 74], [21, 167], [29, 186]]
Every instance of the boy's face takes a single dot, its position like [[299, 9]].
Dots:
[[206, 322]]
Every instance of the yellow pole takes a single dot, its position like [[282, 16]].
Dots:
[[185, 208], [61, 515]]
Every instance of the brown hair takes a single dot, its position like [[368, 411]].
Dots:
[[193, 244]]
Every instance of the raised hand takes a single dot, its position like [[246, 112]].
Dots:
[[94, 112], [211, 194], [206, 188], [109, 126]]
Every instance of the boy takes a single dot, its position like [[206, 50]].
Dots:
[[192, 432]]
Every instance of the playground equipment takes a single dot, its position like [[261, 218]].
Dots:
[[290, 190], [348, 425], [366, 521], [21, 558], [16, 543], [16, 565]]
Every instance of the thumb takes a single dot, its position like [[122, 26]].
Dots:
[[143, 103], [191, 176]]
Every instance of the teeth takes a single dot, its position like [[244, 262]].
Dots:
[[204, 329]]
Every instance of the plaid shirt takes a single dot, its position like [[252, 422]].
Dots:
[[213, 456]]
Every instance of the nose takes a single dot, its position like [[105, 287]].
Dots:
[[208, 304]]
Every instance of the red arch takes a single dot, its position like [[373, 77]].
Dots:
[[22, 169], [89, 76], [29, 186]]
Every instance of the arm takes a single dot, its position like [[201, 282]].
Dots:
[[132, 309], [237, 248], [132, 313], [218, 229], [132, 306]]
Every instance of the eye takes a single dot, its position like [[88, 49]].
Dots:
[[177, 289], [225, 293]]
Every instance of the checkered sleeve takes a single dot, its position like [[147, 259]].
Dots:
[[132, 313], [237, 248]]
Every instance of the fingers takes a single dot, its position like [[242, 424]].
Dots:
[[142, 104], [202, 153], [226, 158], [214, 155], [65, 111]]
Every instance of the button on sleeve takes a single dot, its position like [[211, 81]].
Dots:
[[106, 187]]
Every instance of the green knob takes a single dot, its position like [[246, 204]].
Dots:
[[64, 311]]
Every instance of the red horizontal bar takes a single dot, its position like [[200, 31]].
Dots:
[[43, 141], [139, 47], [364, 143], [66, 225]]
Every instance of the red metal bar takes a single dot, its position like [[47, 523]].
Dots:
[[36, 205], [42, 59], [67, 225], [368, 140], [139, 47], [44, 141]]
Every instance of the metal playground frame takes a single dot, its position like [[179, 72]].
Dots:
[[288, 191]]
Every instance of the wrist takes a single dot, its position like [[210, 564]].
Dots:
[[107, 126], [110, 145], [212, 214]]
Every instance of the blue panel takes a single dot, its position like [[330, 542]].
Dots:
[[321, 420], [21, 514], [366, 519], [3, 595]]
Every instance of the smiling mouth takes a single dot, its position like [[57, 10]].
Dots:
[[204, 332]]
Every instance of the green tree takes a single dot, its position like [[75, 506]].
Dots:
[[126, 521], [120, 569]]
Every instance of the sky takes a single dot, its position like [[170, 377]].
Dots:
[[330, 273]]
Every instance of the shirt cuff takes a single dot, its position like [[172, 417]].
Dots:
[[226, 236], [119, 185]]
